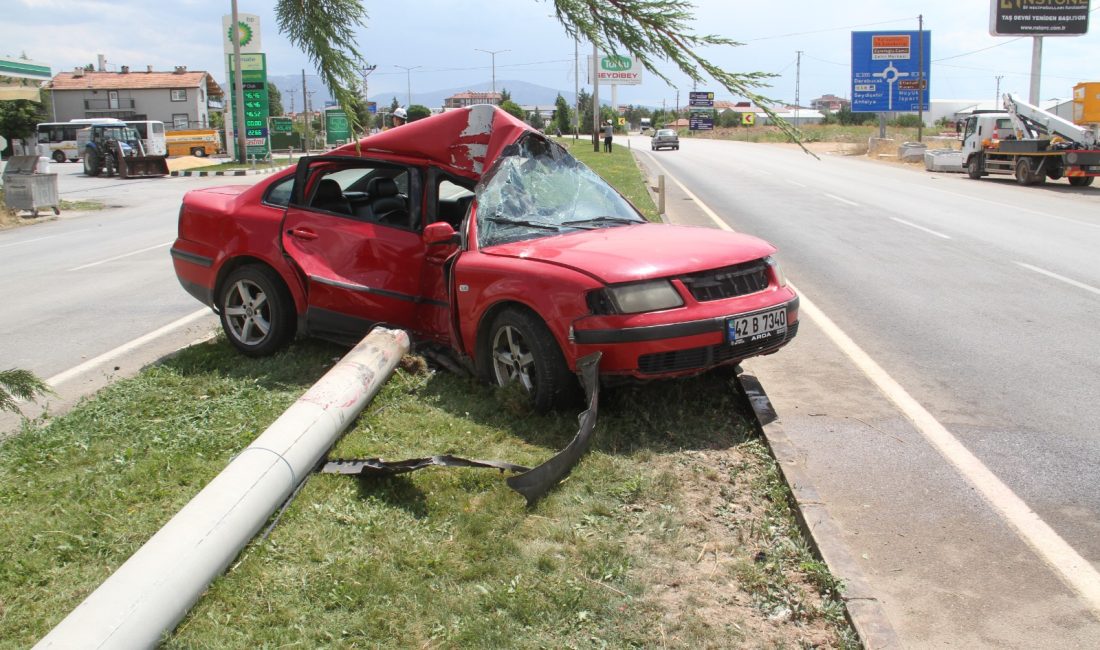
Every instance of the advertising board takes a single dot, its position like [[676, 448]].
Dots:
[[1039, 17]]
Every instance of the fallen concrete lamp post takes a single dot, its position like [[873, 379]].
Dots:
[[154, 589]]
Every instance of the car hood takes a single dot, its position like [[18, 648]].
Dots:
[[641, 252]]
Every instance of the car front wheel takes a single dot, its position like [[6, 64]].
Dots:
[[257, 312], [522, 350]]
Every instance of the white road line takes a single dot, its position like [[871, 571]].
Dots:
[[927, 230], [27, 241], [703, 206], [65, 376], [1075, 283], [118, 257], [837, 198], [1074, 570], [796, 184]]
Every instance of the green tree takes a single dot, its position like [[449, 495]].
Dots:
[[563, 117], [505, 96], [653, 32], [19, 384], [728, 119], [584, 100], [514, 109], [18, 119], [274, 100], [906, 120], [535, 120], [418, 112]]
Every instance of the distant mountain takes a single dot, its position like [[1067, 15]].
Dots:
[[523, 92]]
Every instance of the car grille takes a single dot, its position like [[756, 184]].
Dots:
[[728, 282], [705, 357]]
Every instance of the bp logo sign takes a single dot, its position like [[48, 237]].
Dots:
[[244, 31]]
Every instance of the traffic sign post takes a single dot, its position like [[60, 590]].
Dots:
[[701, 120], [256, 102], [887, 71]]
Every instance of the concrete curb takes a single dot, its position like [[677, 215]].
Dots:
[[862, 607], [229, 172]]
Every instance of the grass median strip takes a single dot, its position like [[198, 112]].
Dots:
[[674, 531]]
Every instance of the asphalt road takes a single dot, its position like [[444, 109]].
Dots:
[[89, 282], [978, 300]]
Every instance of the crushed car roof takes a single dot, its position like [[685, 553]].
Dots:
[[464, 141]]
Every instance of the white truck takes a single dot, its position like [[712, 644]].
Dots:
[[1031, 144]]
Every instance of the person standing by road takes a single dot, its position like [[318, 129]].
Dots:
[[607, 132], [400, 117]]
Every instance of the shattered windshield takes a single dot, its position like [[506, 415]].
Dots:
[[537, 189]]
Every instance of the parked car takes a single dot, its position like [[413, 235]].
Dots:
[[664, 139], [480, 236]]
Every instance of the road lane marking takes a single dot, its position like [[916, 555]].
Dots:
[[1075, 571], [65, 376], [118, 257], [927, 230], [1069, 281], [703, 206], [795, 184], [27, 241], [842, 200]]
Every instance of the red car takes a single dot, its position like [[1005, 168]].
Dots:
[[472, 231]]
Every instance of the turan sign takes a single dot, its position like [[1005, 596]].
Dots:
[[618, 70], [1039, 17]]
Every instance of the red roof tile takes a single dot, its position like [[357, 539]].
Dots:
[[91, 80]]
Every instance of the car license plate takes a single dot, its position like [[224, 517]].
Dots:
[[749, 328]]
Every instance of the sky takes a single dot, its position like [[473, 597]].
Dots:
[[441, 40]]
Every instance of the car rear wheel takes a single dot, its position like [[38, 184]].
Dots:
[[256, 310], [522, 350], [1080, 181]]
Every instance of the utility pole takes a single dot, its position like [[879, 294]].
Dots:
[[408, 84], [576, 90], [493, 55], [997, 95], [366, 70], [797, 85], [920, 77], [305, 112], [238, 91], [1036, 69], [292, 92], [595, 98]]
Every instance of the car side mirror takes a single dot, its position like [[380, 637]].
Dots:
[[439, 233]]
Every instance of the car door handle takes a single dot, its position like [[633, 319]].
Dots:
[[302, 233]]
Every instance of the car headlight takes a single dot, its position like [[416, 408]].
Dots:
[[780, 277], [636, 298]]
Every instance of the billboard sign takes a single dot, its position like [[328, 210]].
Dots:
[[1039, 17], [887, 71], [701, 99], [701, 121], [618, 70]]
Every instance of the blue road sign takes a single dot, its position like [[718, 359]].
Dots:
[[886, 71]]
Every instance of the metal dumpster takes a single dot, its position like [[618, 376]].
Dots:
[[24, 189]]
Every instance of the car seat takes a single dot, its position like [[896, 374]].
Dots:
[[386, 204], [331, 198]]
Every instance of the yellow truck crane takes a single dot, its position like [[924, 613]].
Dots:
[[1032, 144]]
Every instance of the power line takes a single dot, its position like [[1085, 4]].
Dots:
[[829, 29], [957, 56]]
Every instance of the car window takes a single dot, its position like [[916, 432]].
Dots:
[[279, 193], [536, 189]]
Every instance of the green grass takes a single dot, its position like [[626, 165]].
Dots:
[[813, 133], [617, 168], [82, 205]]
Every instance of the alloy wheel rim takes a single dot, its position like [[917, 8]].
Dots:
[[247, 312], [513, 359]]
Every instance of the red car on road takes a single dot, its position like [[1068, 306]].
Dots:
[[472, 231]]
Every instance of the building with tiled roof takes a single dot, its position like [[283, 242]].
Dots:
[[181, 99], [470, 98]]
